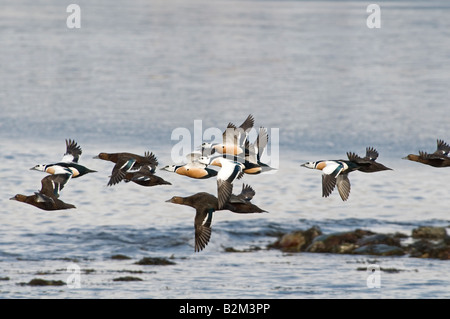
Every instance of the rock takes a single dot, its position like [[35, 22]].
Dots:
[[246, 250], [433, 243], [297, 240], [380, 250], [154, 261], [120, 257], [43, 282], [338, 243], [429, 232], [424, 248], [127, 278], [375, 239]]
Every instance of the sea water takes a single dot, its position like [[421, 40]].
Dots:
[[312, 72]]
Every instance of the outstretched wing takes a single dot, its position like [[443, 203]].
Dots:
[[443, 148], [120, 170], [247, 193], [328, 184], [343, 186], [202, 228], [73, 152], [51, 185]]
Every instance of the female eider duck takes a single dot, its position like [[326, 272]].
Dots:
[[241, 204], [368, 163], [68, 162], [47, 197], [206, 204], [439, 158], [334, 173], [125, 162], [145, 177]]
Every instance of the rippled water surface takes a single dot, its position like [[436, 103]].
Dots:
[[133, 73]]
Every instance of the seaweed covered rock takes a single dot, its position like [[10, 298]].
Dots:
[[429, 232], [154, 261], [424, 248], [44, 282], [296, 241], [379, 250], [432, 242], [338, 243]]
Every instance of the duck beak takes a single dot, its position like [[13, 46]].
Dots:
[[96, 157]]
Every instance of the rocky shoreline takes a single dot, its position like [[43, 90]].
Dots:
[[424, 242]]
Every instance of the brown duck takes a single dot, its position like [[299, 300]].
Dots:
[[439, 158], [368, 163], [205, 204], [126, 162], [145, 177], [47, 197]]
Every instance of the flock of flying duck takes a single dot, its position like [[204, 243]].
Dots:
[[235, 157]]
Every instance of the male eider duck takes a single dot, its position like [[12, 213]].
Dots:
[[206, 204], [439, 158], [193, 168], [334, 173], [253, 152], [69, 162], [229, 171], [368, 163], [232, 139], [125, 162], [47, 197]]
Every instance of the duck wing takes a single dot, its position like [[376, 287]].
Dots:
[[73, 152], [247, 193], [371, 154], [443, 149], [343, 186], [51, 185], [202, 228], [120, 170], [328, 184]]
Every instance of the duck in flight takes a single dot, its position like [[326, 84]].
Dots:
[[69, 162], [368, 163], [229, 171], [232, 139], [125, 162], [439, 158], [334, 172], [253, 152], [145, 177], [47, 198], [206, 204], [193, 168]]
